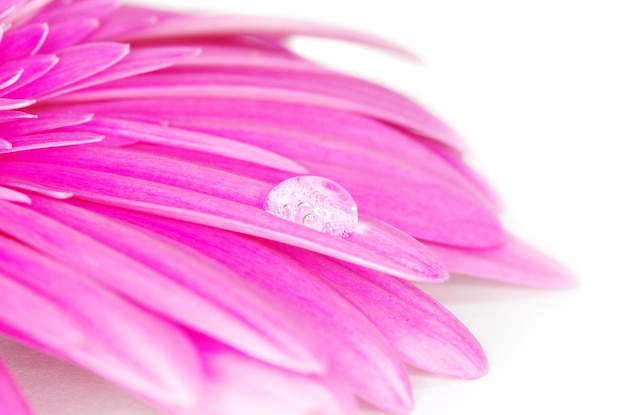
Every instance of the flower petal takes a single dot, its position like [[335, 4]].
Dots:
[[425, 334], [13, 195], [359, 351], [404, 258], [75, 63], [174, 137], [23, 42], [32, 68], [45, 120], [47, 140], [12, 402], [14, 115], [68, 33], [514, 262], [236, 384], [330, 91], [181, 26], [139, 60], [57, 309], [202, 295], [12, 104]]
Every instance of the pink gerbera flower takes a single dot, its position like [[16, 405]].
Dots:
[[198, 214]]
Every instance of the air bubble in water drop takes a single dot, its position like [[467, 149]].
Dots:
[[315, 202]]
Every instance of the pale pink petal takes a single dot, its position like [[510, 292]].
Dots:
[[236, 384], [13, 195], [57, 309], [23, 42], [12, 402], [161, 288], [62, 10], [24, 10], [25, 184], [14, 115], [12, 104], [9, 76], [514, 262], [5, 145], [120, 21], [182, 26], [222, 54]]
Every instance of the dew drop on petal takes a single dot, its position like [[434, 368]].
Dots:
[[315, 202]]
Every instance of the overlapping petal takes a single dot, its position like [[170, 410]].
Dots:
[[136, 151]]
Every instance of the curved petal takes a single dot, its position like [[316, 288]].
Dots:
[[56, 308], [180, 26], [235, 384], [405, 258], [514, 262], [202, 295], [23, 42], [359, 352], [425, 334]]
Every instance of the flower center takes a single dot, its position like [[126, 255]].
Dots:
[[315, 202]]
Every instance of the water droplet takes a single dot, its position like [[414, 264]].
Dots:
[[315, 202]]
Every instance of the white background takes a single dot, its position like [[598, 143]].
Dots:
[[538, 90]]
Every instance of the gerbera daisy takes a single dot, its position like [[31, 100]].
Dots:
[[198, 214]]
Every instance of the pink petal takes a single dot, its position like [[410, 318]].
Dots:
[[236, 384], [75, 63], [12, 104], [45, 120], [405, 258], [121, 21], [12, 402], [425, 334], [68, 33], [56, 308], [223, 54], [212, 303], [13, 195], [139, 60], [24, 11], [428, 210], [25, 184], [514, 262], [14, 115], [330, 91], [9, 76], [174, 137], [307, 133], [48, 140], [359, 352], [61, 11], [23, 42], [32, 68], [182, 26]]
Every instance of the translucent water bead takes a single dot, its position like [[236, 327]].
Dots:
[[315, 202]]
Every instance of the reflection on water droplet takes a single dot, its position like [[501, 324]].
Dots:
[[316, 203]]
